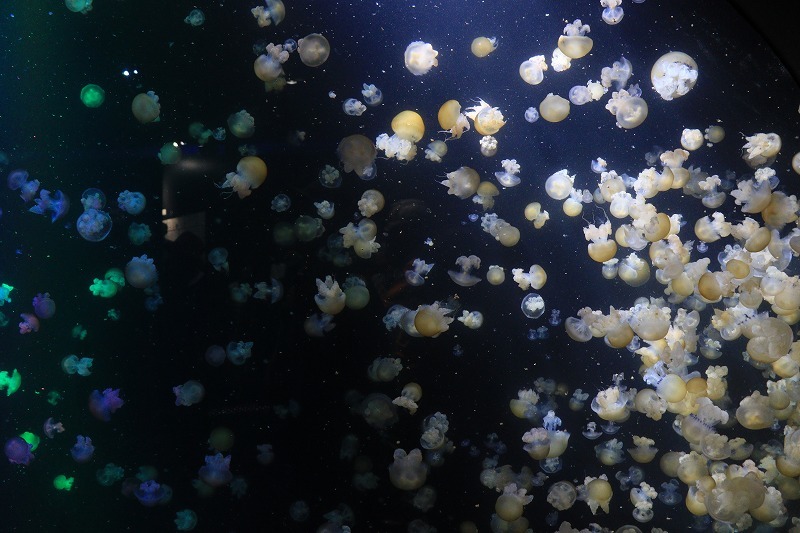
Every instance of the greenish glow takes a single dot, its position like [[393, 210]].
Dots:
[[116, 276], [103, 288], [93, 95], [10, 383], [62, 482], [31, 439], [5, 291], [53, 397]]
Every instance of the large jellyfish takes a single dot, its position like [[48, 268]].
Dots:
[[420, 58], [673, 75], [94, 225], [145, 107], [357, 154], [104, 405], [141, 273], [18, 451], [313, 49], [251, 172]]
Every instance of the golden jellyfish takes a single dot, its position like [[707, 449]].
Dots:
[[408, 125], [408, 471], [598, 493], [691, 139], [452, 119], [251, 172], [601, 249], [754, 412], [644, 450], [609, 453], [657, 227], [462, 182], [537, 443], [532, 70], [242, 124], [554, 108], [574, 43], [431, 320], [486, 193], [796, 163], [313, 49], [145, 107], [371, 202], [329, 298], [420, 58], [488, 120], [267, 67], [495, 275], [356, 294], [435, 151], [577, 329], [761, 149], [611, 404], [673, 75], [559, 185], [634, 271], [483, 46], [357, 154], [535, 213], [714, 134], [501, 230], [509, 505]]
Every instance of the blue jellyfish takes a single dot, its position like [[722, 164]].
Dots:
[[83, 450], [94, 225]]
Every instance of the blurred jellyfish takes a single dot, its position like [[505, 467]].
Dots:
[[72, 365], [217, 470], [140, 272], [242, 124], [145, 107], [79, 6], [613, 12], [18, 451], [83, 450], [555, 317], [44, 306], [281, 203], [189, 393], [419, 269], [50, 428], [93, 199], [531, 114], [239, 352], [151, 493], [104, 405], [139, 234], [195, 18], [94, 225], [109, 474], [329, 177], [29, 324], [132, 203], [218, 257], [273, 13]]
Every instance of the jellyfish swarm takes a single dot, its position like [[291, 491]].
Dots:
[[189, 393], [44, 306], [29, 324], [57, 204], [103, 405], [251, 172], [18, 451], [141, 273], [132, 203], [216, 472], [83, 450], [94, 225], [18, 180], [420, 58]]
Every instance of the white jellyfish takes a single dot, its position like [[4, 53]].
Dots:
[[619, 73], [692, 139], [613, 12], [532, 115], [579, 95], [488, 145], [420, 58], [508, 177], [416, 275], [372, 95], [532, 70], [673, 75], [353, 107], [628, 107]]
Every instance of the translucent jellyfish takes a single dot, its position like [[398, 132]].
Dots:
[[371, 202], [409, 397], [313, 49], [139, 234], [463, 276], [195, 18], [495, 275], [554, 108], [508, 177], [501, 230], [218, 257], [673, 75], [273, 13], [435, 151], [419, 269], [618, 74], [29, 324], [251, 172], [185, 520], [325, 209], [18, 451], [559, 61], [71, 364], [141, 273], [372, 95], [532, 70], [609, 452], [217, 470], [452, 120], [579, 95], [598, 493], [628, 107], [471, 319], [83, 450], [353, 107], [330, 298], [574, 43], [488, 145], [109, 474], [57, 204], [242, 124], [562, 495], [357, 154], [483, 46], [189, 393], [642, 499], [329, 177], [487, 119], [267, 67], [145, 107], [420, 58], [79, 6], [669, 494], [44, 306], [132, 203], [280, 203], [559, 185], [50, 428], [644, 450], [535, 277], [238, 352], [531, 115], [613, 12], [408, 472], [18, 180], [692, 139], [533, 305], [104, 405]]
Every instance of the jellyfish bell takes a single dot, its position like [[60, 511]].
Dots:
[[673, 75], [532, 70], [420, 58], [145, 107], [408, 125], [533, 305], [574, 43], [357, 154], [483, 46], [554, 108], [313, 49]]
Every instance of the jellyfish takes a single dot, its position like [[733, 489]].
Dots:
[[533, 305], [18, 180], [420, 58], [44, 306], [50, 428], [94, 225], [141, 273], [532, 70], [372, 95], [280, 203], [57, 204], [238, 352], [508, 177], [267, 67], [562, 495], [92, 95], [195, 18], [419, 269], [72, 365], [432, 320], [83, 450], [531, 115], [357, 154], [473, 319], [618, 73], [628, 107], [501, 230], [609, 452], [18, 451], [273, 13], [462, 182], [109, 474], [669, 494], [463, 276], [483, 46], [353, 107], [488, 145], [574, 43], [151, 493], [62, 482], [189, 393], [216, 471], [132, 203], [692, 139], [408, 472], [29, 324], [536, 277], [242, 124], [487, 119], [313, 49], [185, 520], [138, 234], [329, 177], [79, 6], [371, 202], [613, 12], [452, 120], [330, 298], [598, 493], [673, 75], [145, 107], [104, 405], [509, 505]]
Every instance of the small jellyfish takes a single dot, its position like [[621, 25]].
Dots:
[[420, 58], [103, 405], [185, 520], [218, 257], [330, 177], [508, 177], [138, 234], [372, 95], [51, 427], [353, 107], [44, 306], [29, 324], [83, 450], [93, 199], [458, 351], [216, 472], [239, 352], [195, 18], [145, 107], [613, 12], [281, 203], [555, 317], [416, 275], [532, 305], [189, 393], [57, 204], [132, 203], [532, 70], [531, 115], [702, 247], [151, 493]]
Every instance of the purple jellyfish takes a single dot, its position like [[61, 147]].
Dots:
[[83, 450], [131, 202], [29, 323], [102, 405], [18, 179], [44, 306], [57, 204], [151, 493], [141, 272], [51, 428], [18, 451], [217, 470], [94, 225]]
